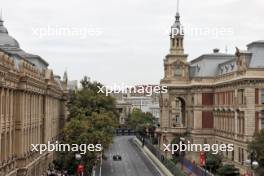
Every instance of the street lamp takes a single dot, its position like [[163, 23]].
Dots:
[[253, 157], [80, 167], [253, 161], [182, 153], [78, 156], [50, 172], [255, 164], [100, 157]]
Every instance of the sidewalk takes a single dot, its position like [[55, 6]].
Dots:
[[188, 171], [153, 158]]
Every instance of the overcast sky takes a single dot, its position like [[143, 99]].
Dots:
[[126, 40]]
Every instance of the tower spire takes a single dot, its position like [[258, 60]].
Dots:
[[1, 18], [177, 17], [65, 76], [177, 34], [178, 6]]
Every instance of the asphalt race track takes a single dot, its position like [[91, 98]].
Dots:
[[133, 163]]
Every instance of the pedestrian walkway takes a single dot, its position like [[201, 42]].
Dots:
[[166, 166]]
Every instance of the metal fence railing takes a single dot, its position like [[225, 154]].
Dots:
[[170, 165], [194, 168]]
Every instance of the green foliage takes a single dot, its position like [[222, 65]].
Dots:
[[89, 99], [228, 170], [257, 145], [92, 120], [213, 161], [139, 120]]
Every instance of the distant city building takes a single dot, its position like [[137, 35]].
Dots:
[[142, 100], [124, 109], [142, 103], [131, 100], [154, 109], [32, 109], [216, 99]]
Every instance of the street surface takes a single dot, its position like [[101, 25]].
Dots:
[[133, 163]]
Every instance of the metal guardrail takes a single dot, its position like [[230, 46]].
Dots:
[[170, 165], [124, 132], [194, 168]]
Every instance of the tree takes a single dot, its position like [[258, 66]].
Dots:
[[213, 161], [92, 120], [257, 145], [140, 121], [228, 170], [75, 132], [90, 99]]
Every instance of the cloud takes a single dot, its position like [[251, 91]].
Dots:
[[134, 40]]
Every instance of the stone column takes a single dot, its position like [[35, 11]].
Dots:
[[38, 118], [1, 119], [249, 115], [5, 124], [165, 111], [236, 124], [10, 122]]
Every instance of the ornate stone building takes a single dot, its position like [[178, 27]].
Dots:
[[215, 98], [32, 108]]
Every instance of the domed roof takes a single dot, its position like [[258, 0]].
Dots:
[[9, 45], [2, 28], [5, 39]]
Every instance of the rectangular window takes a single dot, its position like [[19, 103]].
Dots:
[[226, 152], [240, 96], [256, 96], [224, 98], [262, 96], [178, 71], [233, 155], [228, 98], [232, 97], [262, 123], [256, 121], [239, 155], [242, 157], [207, 98], [207, 119]]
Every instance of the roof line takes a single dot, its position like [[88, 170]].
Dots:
[[215, 55]]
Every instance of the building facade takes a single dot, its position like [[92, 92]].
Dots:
[[216, 98], [32, 109], [137, 98], [154, 109], [124, 109]]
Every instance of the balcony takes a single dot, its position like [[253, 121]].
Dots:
[[176, 130]]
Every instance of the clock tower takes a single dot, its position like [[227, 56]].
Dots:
[[176, 67]]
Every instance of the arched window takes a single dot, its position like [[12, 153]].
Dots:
[[178, 71], [177, 119]]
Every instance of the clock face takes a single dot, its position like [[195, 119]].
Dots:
[[178, 71]]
